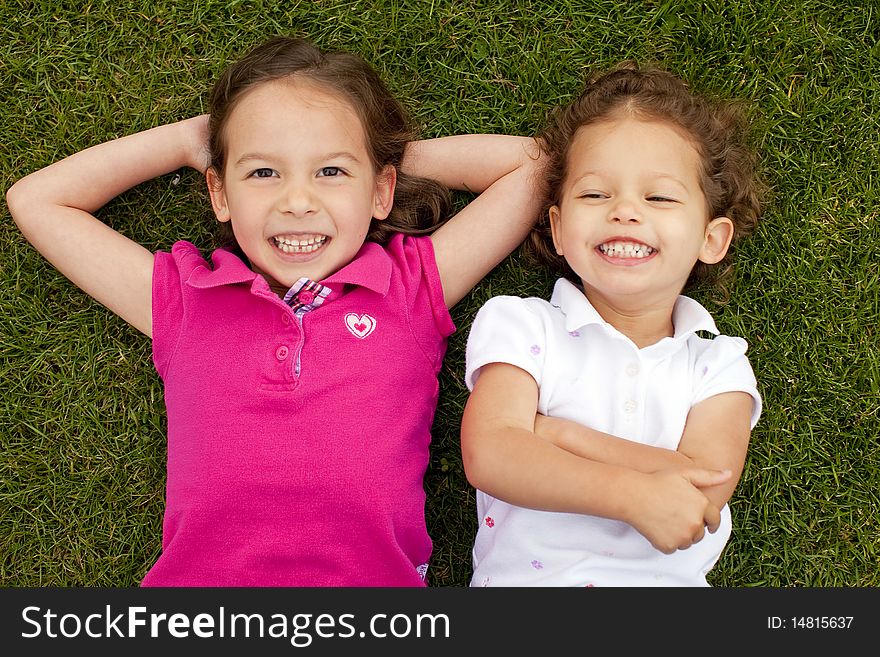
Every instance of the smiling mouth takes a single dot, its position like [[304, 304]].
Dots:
[[626, 249], [299, 245]]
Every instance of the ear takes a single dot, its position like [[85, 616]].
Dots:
[[719, 233], [555, 228], [218, 195], [386, 181]]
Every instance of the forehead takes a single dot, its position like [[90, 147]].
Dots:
[[633, 143], [293, 109]]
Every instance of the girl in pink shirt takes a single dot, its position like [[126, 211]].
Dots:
[[300, 362]]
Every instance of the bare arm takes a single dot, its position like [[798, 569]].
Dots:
[[506, 173], [54, 209], [505, 458], [716, 437]]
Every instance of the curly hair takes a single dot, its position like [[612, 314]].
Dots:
[[718, 130], [420, 204]]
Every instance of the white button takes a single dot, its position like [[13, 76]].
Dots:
[[632, 369], [629, 406]]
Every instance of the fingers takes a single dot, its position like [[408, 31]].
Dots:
[[685, 543], [711, 522], [712, 518], [680, 514], [682, 542]]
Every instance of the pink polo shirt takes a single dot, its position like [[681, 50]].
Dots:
[[297, 446]]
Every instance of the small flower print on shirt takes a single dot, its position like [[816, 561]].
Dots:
[[489, 521], [535, 349], [537, 565], [575, 334]]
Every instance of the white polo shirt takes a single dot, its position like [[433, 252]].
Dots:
[[589, 372]]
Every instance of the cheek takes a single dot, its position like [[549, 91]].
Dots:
[[573, 233]]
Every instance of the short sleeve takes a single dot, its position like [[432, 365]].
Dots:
[[167, 301], [724, 367], [415, 268], [506, 330], [421, 251]]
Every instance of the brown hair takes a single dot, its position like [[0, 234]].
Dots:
[[420, 204], [717, 129]]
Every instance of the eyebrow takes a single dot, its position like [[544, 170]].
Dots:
[[344, 155], [336, 155], [669, 176], [653, 174]]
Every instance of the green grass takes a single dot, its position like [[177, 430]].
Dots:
[[81, 412]]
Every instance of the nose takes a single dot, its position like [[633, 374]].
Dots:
[[625, 210], [297, 198]]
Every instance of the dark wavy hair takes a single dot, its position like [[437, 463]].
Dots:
[[718, 129], [420, 204]]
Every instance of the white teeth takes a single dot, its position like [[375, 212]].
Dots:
[[626, 250], [306, 245]]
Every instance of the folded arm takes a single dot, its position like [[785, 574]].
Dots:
[[715, 437], [54, 208], [507, 174], [504, 457]]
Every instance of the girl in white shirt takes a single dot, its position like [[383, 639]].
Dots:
[[605, 436]]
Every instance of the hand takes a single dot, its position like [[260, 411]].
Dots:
[[195, 138], [670, 510]]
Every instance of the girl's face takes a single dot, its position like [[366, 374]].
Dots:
[[299, 188], [632, 217]]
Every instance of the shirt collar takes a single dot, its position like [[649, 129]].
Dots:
[[371, 268], [228, 269], [688, 315]]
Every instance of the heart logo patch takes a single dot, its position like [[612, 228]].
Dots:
[[360, 326]]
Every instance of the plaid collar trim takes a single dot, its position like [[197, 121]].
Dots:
[[306, 295]]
